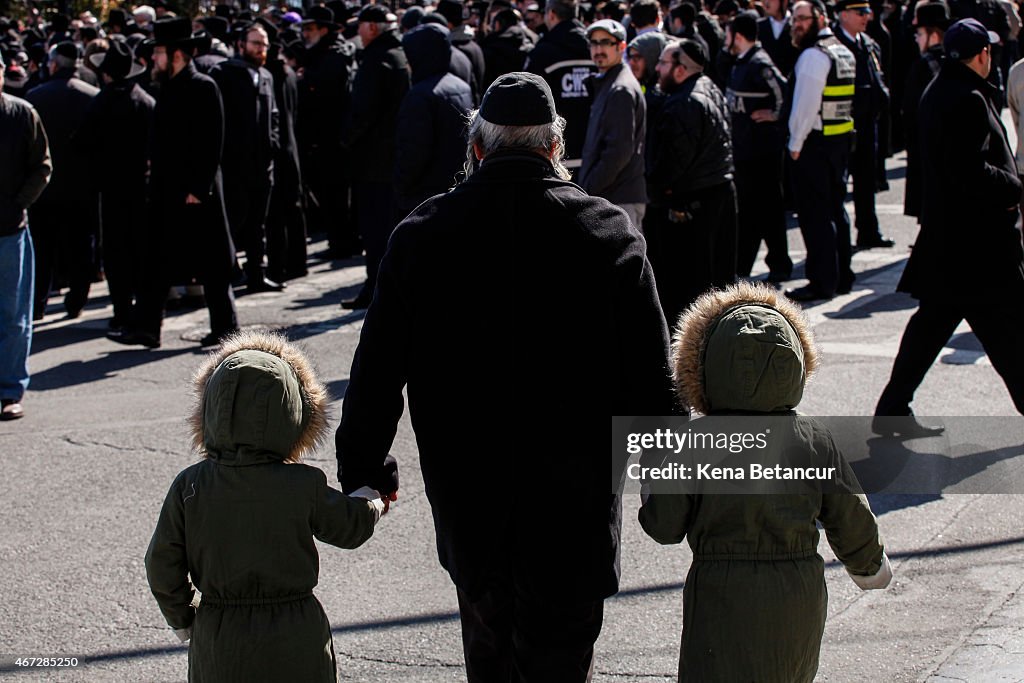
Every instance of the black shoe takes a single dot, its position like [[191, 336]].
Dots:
[[906, 426], [264, 284], [807, 293], [844, 287], [215, 339], [134, 338], [358, 303], [876, 242], [778, 278]]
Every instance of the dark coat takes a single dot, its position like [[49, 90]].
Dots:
[[871, 96], [286, 94], [504, 52], [188, 137], [922, 72], [377, 91], [462, 40], [693, 147], [62, 103], [430, 147], [121, 114], [251, 136], [613, 151], [782, 51], [325, 92], [969, 248], [27, 165], [755, 84], [494, 379], [460, 66]]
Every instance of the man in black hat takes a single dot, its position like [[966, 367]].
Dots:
[[968, 260], [325, 101], [931, 19], [190, 229], [756, 101], [119, 117], [377, 91], [250, 143], [24, 172], [65, 220], [870, 101], [690, 182], [820, 128], [531, 575]]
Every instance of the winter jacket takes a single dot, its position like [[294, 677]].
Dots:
[[613, 151], [693, 148], [969, 248], [325, 93], [27, 166], [491, 377], [504, 52], [430, 146], [377, 91], [239, 525], [747, 352], [463, 40], [755, 84]]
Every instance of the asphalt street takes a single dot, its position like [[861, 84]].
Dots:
[[104, 434]]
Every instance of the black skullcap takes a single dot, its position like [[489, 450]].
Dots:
[[451, 10], [518, 99], [412, 17], [745, 24], [695, 51], [376, 14], [434, 18], [66, 49]]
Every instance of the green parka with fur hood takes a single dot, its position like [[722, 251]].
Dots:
[[239, 525], [755, 598]]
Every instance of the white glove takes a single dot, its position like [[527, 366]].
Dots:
[[879, 579], [373, 498], [184, 634]]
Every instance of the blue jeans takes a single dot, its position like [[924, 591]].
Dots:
[[17, 277]]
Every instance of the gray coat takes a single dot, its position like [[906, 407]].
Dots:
[[613, 151]]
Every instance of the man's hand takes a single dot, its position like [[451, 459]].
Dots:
[[388, 498], [192, 199], [763, 116], [794, 155]]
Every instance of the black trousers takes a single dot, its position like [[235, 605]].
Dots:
[[864, 169], [761, 215], [508, 638], [819, 186], [286, 225], [375, 216], [247, 215], [64, 237], [927, 332], [695, 255], [125, 225], [329, 210]]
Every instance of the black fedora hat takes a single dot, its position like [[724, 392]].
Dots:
[[118, 61], [932, 15], [173, 32], [321, 16]]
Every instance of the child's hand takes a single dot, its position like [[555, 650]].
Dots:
[[184, 634], [379, 503]]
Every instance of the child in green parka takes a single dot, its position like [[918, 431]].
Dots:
[[239, 525], [755, 600]]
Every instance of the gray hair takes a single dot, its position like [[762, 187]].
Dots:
[[59, 61], [490, 138]]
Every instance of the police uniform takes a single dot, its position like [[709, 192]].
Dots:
[[820, 128], [870, 100], [756, 84]]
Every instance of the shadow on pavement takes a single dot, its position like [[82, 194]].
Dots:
[[75, 372]]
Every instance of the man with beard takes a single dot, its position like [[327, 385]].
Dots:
[[690, 182], [190, 229], [758, 138], [820, 127], [249, 146], [325, 102], [121, 111]]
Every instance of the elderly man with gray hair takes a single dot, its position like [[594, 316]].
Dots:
[[550, 325]]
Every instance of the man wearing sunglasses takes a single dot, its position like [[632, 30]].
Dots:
[[613, 150]]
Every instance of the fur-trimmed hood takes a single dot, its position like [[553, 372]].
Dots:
[[257, 400], [745, 348]]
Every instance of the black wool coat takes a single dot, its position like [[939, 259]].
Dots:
[[549, 325], [115, 135], [188, 138], [969, 249], [252, 136], [325, 92]]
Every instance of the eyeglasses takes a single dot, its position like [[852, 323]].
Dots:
[[802, 17], [604, 42], [669, 62]]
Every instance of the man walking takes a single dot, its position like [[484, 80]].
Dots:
[[506, 375], [613, 151], [968, 179], [24, 171]]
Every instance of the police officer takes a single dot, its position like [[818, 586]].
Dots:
[[755, 97], [820, 127], [870, 99]]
